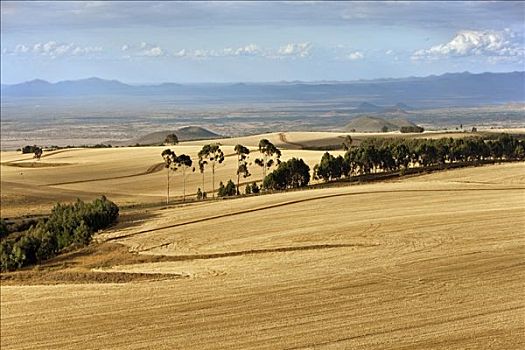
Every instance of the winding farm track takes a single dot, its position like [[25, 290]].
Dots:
[[155, 168], [45, 155], [284, 139]]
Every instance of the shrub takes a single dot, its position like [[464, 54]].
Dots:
[[71, 224], [407, 129], [200, 195], [3, 229], [226, 191], [221, 189], [255, 188]]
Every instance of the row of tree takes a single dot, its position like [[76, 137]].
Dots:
[[385, 155], [68, 224], [210, 156]]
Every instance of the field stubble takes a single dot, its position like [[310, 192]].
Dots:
[[434, 261]]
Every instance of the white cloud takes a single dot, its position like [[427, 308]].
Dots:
[[77, 51], [153, 52], [20, 48], [389, 52], [180, 53], [492, 44], [295, 50], [356, 55], [292, 50], [52, 49], [248, 50], [142, 49]]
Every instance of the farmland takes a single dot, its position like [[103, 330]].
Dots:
[[433, 261], [136, 175]]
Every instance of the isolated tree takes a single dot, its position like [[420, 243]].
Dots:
[[347, 143], [169, 158], [171, 140], [184, 162], [242, 163], [202, 167], [270, 155], [213, 154], [38, 153]]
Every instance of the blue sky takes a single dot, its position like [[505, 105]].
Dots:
[[150, 42]]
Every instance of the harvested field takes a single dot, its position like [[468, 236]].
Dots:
[[135, 175], [128, 175], [434, 261]]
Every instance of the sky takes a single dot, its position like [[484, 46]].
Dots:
[[153, 42]]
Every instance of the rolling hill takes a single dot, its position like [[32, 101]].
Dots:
[[396, 265], [376, 124], [187, 133]]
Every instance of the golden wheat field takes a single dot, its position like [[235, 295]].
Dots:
[[135, 175], [128, 175], [426, 262]]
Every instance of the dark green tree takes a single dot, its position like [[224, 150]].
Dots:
[[270, 156], [38, 153], [290, 174], [213, 154], [171, 140], [347, 143], [183, 162], [227, 190], [242, 163], [169, 159]]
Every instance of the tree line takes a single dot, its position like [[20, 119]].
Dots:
[[388, 155], [373, 155], [210, 156], [68, 225]]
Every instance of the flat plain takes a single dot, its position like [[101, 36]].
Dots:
[[426, 262]]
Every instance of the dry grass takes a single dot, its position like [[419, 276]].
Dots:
[[435, 261]]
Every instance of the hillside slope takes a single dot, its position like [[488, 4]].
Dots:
[[187, 133], [346, 268], [376, 124]]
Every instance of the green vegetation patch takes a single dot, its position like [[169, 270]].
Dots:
[[68, 225]]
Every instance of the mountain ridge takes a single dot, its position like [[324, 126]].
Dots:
[[446, 89], [283, 82]]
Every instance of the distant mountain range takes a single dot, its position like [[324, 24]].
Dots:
[[447, 89]]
